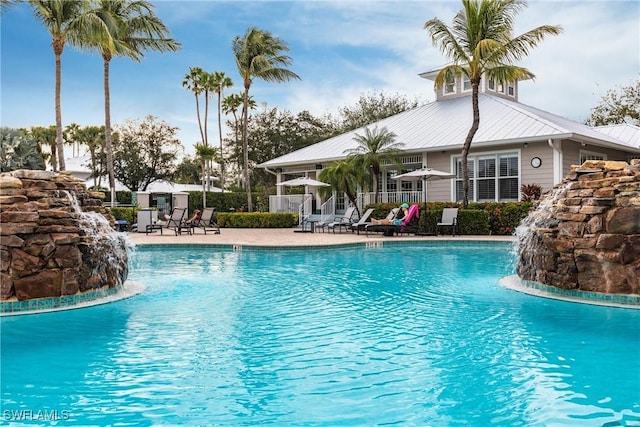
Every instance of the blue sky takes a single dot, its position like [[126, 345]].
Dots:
[[340, 49]]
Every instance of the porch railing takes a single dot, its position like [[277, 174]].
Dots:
[[395, 197]]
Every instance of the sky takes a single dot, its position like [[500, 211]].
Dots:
[[341, 50]]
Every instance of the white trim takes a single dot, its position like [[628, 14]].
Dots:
[[556, 146]]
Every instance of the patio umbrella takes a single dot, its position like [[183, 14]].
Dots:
[[424, 174], [303, 181]]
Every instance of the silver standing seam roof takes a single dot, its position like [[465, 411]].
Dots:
[[444, 124]]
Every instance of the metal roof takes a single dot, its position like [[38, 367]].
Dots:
[[444, 124], [627, 133]]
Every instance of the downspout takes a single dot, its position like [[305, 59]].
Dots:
[[556, 146]]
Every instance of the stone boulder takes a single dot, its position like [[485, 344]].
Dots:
[[56, 237], [585, 234]]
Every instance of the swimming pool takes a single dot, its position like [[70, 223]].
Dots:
[[407, 334]]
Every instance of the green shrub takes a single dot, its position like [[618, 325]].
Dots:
[[256, 220], [122, 197], [129, 214], [504, 217]]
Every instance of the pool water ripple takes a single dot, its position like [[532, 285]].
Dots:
[[410, 335]]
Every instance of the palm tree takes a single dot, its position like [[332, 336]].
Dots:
[[220, 82], [46, 136], [124, 28], [375, 148], [194, 82], [65, 21], [480, 43], [230, 105], [258, 55], [344, 176], [206, 154]]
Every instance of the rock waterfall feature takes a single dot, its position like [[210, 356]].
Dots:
[[57, 239], [585, 234]]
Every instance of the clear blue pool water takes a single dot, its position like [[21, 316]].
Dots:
[[412, 334]]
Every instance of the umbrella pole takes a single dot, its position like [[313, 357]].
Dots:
[[424, 212]]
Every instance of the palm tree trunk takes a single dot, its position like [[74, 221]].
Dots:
[[245, 146], [58, 47], [222, 165], [107, 130], [198, 114], [204, 189], [206, 133], [467, 142]]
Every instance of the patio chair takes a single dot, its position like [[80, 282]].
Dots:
[[343, 221], [206, 222], [174, 222], [362, 222], [449, 219]]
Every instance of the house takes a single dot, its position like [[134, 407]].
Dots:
[[516, 144]]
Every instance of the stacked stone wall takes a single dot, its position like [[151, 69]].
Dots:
[[52, 244], [586, 233]]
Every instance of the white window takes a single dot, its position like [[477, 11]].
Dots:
[[511, 89], [450, 86], [591, 155], [466, 84], [492, 177], [491, 84]]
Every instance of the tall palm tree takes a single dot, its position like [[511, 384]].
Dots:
[[124, 28], [206, 154], [230, 105], [193, 81], [344, 176], [65, 21], [481, 43], [375, 148], [220, 82], [258, 55]]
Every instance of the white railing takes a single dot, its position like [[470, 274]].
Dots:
[[288, 203], [328, 209], [395, 197], [305, 208]]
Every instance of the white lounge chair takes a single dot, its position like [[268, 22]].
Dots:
[[343, 221]]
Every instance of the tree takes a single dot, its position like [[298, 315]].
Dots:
[[344, 176], [188, 171], [46, 136], [206, 154], [125, 28], [230, 105], [617, 107], [193, 81], [371, 108], [66, 22], [259, 55], [18, 150], [273, 133], [145, 152], [93, 137], [375, 148], [220, 82], [480, 43]]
